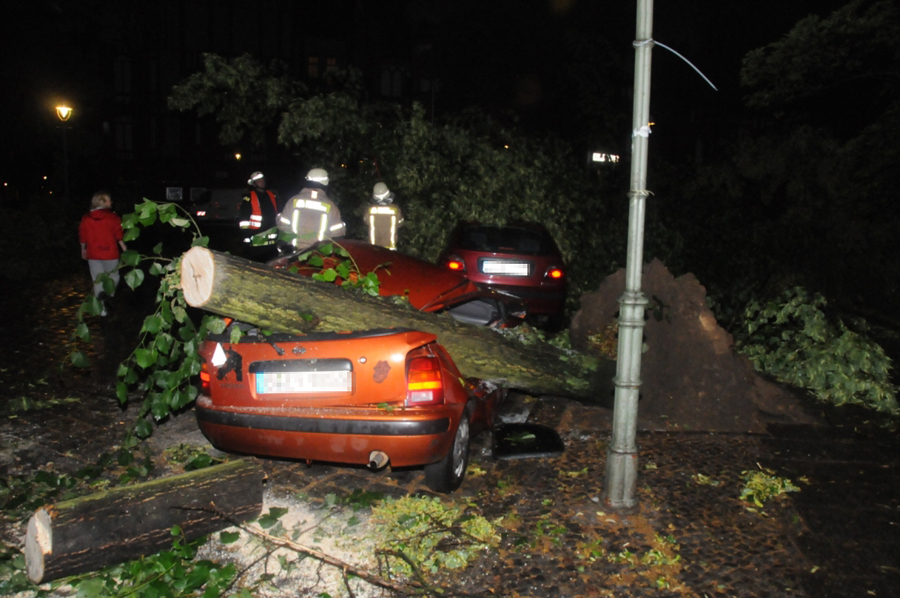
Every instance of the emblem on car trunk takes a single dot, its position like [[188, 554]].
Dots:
[[380, 373]]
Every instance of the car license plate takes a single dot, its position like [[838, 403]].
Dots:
[[303, 382], [506, 267]]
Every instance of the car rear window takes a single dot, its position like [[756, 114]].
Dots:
[[507, 239]]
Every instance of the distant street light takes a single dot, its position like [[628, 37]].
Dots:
[[64, 112]]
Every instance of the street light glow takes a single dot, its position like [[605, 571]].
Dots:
[[63, 112]]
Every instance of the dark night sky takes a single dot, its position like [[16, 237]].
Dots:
[[53, 50]]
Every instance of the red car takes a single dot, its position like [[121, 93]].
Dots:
[[369, 397], [519, 259]]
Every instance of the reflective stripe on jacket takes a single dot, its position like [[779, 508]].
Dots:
[[260, 216], [383, 223], [310, 216]]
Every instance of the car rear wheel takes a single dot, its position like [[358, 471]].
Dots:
[[447, 474]]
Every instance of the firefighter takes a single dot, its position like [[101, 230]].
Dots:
[[259, 209], [310, 215], [383, 218]]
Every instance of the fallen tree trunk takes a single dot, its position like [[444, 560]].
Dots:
[[279, 300], [124, 523]]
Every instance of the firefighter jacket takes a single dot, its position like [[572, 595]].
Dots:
[[259, 211], [310, 216], [383, 222], [100, 231]]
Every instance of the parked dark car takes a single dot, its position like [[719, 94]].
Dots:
[[519, 259]]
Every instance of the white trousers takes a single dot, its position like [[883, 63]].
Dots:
[[97, 268]]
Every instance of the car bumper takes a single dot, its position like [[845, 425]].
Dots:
[[537, 300], [339, 435]]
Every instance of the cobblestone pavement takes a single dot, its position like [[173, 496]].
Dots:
[[689, 536]]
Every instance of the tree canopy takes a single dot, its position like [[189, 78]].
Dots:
[[468, 167], [807, 193]]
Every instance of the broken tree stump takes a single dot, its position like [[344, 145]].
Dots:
[[127, 522], [257, 294]]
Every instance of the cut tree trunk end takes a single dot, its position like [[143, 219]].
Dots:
[[90, 532], [278, 300]]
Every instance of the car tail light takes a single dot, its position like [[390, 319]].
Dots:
[[554, 273], [455, 263], [424, 385], [204, 378]]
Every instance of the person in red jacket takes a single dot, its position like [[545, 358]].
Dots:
[[100, 234]]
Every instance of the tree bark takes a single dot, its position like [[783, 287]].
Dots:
[[124, 523], [281, 301]]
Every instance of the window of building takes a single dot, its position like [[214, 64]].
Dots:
[[312, 67], [392, 82]]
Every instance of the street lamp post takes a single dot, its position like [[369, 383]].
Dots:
[[64, 112], [620, 491]]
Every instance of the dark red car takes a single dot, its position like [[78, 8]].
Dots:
[[519, 259], [372, 397]]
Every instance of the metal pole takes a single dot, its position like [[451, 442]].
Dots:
[[622, 455]]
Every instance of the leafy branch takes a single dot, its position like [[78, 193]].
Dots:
[[165, 361], [331, 262]]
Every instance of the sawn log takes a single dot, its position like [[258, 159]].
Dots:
[[127, 522], [278, 300]]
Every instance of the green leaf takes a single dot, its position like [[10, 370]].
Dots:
[[165, 311], [143, 428], [91, 588], [199, 462], [215, 325], [328, 275], [109, 287], [79, 360], [272, 517], [131, 258], [131, 234], [163, 343], [144, 357], [147, 219], [343, 270], [125, 458], [92, 305], [134, 278], [83, 332], [152, 324], [229, 537]]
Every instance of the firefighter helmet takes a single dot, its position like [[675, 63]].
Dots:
[[256, 176], [382, 195], [318, 175]]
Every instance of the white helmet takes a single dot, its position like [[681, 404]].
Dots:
[[255, 177], [318, 175], [381, 194]]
